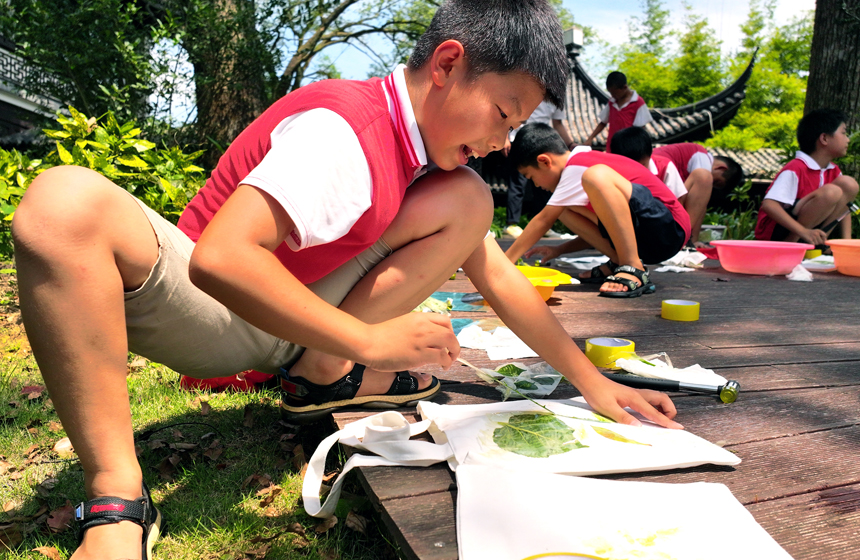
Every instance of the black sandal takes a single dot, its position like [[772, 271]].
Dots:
[[305, 401], [597, 274], [633, 290], [107, 509]]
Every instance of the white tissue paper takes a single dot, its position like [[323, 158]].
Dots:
[[581, 263], [661, 370], [520, 381], [821, 263], [800, 274], [685, 259], [500, 344]]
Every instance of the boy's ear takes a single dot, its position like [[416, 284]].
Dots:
[[544, 160], [448, 56]]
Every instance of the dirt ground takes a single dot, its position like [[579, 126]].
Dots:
[[13, 339]]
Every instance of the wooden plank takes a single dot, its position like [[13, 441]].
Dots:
[[822, 525], [423, 526]]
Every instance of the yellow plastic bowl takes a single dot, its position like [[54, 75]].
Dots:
[[544, 279]]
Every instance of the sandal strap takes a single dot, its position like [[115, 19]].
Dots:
[[630, 284], [304, 391], [642, 275], [403, 384]]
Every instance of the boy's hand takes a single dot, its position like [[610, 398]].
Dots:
[[410, 341], [814, 236], [610, 399], [545, 252]]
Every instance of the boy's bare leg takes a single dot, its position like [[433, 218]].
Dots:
[[583, 223], [609, 194], [696, 204], [850, 188], [79, 243], [822, 205], [443, 218]]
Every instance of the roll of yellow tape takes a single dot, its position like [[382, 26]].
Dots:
[[602, 352], [812, 253], [680, 310]]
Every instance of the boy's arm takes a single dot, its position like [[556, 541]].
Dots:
[[535, 229], [518, 304], [597, 130], [549, 252], [233, 262], [562, 130], [775, 210]]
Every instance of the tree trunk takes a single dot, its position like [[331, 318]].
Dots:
[[834, 65], [229, 73]]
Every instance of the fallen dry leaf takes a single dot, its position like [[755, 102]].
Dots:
[[329, 554], [258, 481], [296, 528], [10, 507], [326, 524], [44, 488], [356, 522], [270, 494], [259, 552], [213, 454], [33, 391], [6, 467], [59, 519], [183, 446], [63, 448], [55, 426], [10, 535], [48, 551], [300, 460]]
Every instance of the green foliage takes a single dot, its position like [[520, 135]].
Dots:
[[164, 178], [698, 70], [850, 165], [740, 223], [536, 435], [649, 33]]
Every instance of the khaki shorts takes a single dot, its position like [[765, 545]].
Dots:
[[172, 322]]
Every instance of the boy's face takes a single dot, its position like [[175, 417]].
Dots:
[[719, 173], [464, 116], [617, 92], [544, 176], [837, 143]]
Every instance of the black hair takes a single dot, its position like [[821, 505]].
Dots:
[[633, 142], [816, 123], [501, 36], [533, 140], [616, 80], [733, 175]]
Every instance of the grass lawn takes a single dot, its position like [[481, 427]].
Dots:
[[223, 468]]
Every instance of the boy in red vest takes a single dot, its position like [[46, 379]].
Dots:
[[702, 173], [298, 259], [810, 191], [612, 203], [625, 109]]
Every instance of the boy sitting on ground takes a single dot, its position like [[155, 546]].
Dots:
[[613, 204], [304, 264], [625, 109], [702, 172], [810, 192], [635, 143]]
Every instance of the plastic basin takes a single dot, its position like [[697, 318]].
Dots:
[[846, 255], [769, 258], [544, 279]]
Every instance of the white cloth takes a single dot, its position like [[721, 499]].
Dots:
[[659, 369], [506, 514], [643, 115], [784, 187], [545, 113], [686, 259], [581, 263], [500, 344], [324, 192], [569, 191], [821, 263], [799, 274], [671, 178]]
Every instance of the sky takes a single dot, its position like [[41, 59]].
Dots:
[[609, 20]]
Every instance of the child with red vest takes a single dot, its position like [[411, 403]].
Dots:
[[307, 260], [702, 173], [810, 191], [612, 203], [625, 109]]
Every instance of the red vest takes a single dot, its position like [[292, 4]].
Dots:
[[637, 173], [619, 119], [661, 163], [364, 107], [680, 155], [808, 180]]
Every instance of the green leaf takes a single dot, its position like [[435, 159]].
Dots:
[[57, 134], [132, 161], [526, 385], [615, 436], [509, 370], [98, 145], [64, 154], [536, 435], [142, 145]]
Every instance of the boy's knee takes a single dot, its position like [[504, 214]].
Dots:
[[831, 192], [848, 185], [465, 193]]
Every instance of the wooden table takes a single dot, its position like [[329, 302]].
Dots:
[[793, 346]]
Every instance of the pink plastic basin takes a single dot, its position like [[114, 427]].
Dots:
[[846, 255], [770, 258]]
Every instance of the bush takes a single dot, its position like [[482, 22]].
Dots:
[[164, 178], [740, 223]]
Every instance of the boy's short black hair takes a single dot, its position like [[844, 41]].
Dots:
[[533, 140], [501, 36], [816, 123], [733, 175], [633, 142], [616, 80]]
